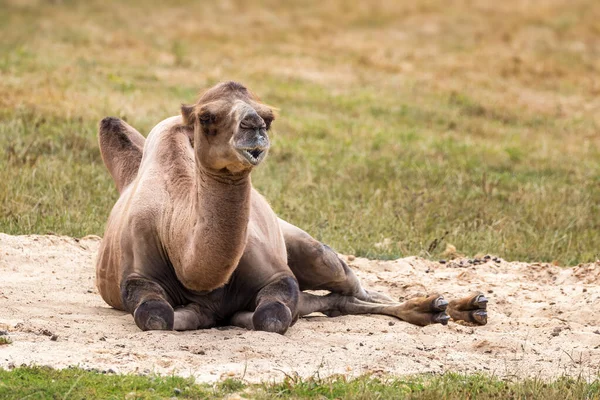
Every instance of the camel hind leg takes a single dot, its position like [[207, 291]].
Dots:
[[418, 311], [317, 266], [192, 317], [471, 309]]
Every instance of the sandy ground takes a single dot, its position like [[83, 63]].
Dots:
[[543, 322]]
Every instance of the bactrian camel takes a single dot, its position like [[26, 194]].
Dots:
[[191, 245]]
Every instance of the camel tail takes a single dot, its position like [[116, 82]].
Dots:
[[121, 147]]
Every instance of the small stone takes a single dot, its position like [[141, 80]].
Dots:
[[487, 257], [442, 261], [351, 258], [54, 338], [177, 391], [391, 323]]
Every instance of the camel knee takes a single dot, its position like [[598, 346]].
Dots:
[[154, 315], [337, 268], [136, 290], [326, 261], [273, 317]]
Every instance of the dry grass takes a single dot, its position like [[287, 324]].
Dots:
[[475, 124]]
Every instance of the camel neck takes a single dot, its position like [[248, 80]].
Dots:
[[208, 178], [219, 235]]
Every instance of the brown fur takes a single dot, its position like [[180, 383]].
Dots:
[[190, 244]]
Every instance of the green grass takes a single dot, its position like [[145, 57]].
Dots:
[[413, 122], [75, 383]]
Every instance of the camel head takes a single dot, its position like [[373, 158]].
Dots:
[[230, 127]]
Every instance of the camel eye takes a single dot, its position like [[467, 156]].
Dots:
[[206, 118]]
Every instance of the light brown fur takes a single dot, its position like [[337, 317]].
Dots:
[[190, 244]]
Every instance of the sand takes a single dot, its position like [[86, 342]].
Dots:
[[543, 322]]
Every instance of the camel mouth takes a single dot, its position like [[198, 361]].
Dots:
[[253, 155]]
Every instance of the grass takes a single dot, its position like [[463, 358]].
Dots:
[[476, 125], [75, 383]]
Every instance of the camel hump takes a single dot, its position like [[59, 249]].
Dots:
[[121, 147]]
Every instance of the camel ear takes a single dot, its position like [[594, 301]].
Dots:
[[192, 113], [188, 114]]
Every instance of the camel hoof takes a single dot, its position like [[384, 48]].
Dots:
[[272, 317], [440, 304], [479, 317], [480, 301], [154, 315], [441, 318]]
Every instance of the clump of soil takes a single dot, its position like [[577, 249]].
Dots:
[[543, 322]]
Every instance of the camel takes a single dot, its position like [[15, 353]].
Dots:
[[190, 244]]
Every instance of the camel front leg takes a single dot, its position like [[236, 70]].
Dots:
[[317, 266], [276, 308], [418, 311], [146, 300]]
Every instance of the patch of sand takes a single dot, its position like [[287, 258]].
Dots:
[[543, 322]]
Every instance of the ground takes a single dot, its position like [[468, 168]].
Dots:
[[542, 323]]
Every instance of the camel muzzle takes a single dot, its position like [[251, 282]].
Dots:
[[252, 145], [254, 155]]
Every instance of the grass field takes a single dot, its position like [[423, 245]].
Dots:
[[409, 124], [46, 383]]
